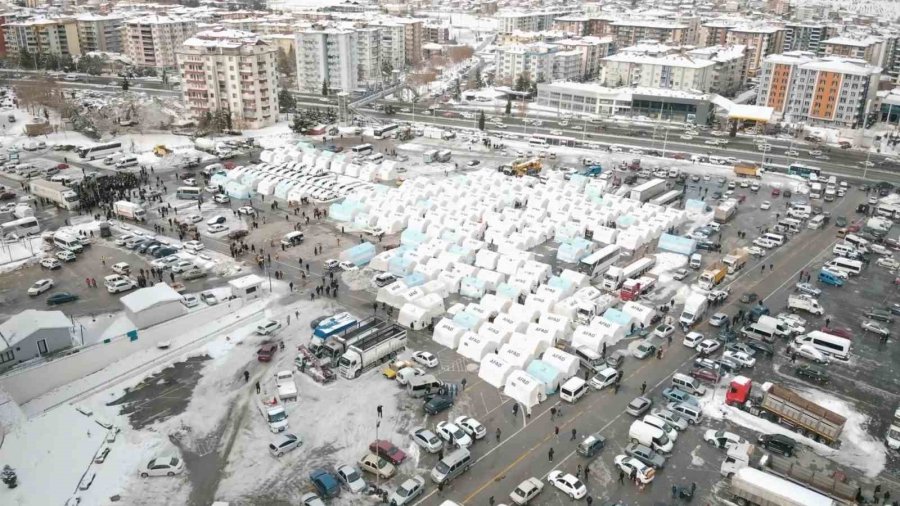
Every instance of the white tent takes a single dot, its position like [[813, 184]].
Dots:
[[521, 313], [392, 294], [413, 316], [451, 280], [639, 312], [578, 279], [494, 303], [472, 287], [495, 333], [551, 293], [486, 259], [539, 304], [446, 333], [492, 279], [558, 323], [437, 287], [494, 371], [508, 322], [588, 337], [517, 357], [567, 308], [475, 347], [613, 331], [524, 389], [542, 333], [565, 363]]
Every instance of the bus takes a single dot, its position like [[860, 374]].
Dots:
[[382, 131], [672, 198], [362, 149], [537, 141], [188, 192], [599, 261], [98, 151], [20, 228], [804, 171]]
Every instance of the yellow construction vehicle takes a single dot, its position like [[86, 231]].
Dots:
[[160, 150], [521, 168]]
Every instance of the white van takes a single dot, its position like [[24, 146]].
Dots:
[[451, 466], [126, 161], [573, 389], [696, 261], [420, 386], [829, 344], [650, 436], [857, 242], [777, 239], [816, 222], [845, 250], [669, 429], [689, 384], [65, 241], [292, 239]]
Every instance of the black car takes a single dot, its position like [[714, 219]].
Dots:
[[590, 445], [840, 221], [437, 403], [61, 298], [709, 246], [761, 346], [882, 315], [811, 373], [778, 443], [164, 252]]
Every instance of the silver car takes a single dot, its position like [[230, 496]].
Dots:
[[284, 444], [407, 492], [427, 439], [638, 406], [351, 478]]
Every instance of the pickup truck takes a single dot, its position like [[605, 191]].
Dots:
[[287, 389]]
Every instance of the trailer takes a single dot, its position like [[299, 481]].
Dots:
[[57, 193], [648, 190], [752, 486], [374, 349], [330, 327], [615, 276], [429, 156], [786, 407], [828, 482], [338, 344], [735, 260], [129, 210], [725, 211]]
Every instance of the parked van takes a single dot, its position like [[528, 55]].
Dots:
[[65, 241], [816, 222], [777, 326], [650, 436], [830, 278], [451, 466], [852, 267], [127, 161], [668, 429], [420, 386], [776, 238], [590, 359], [759, 332], [696, 261], [857, 242], [573, 389], [688, 384], [377, 157], [292, 239], [829, 344], [845, 250], [693, 414]]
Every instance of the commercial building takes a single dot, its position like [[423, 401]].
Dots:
[[152, 41], [728, 68], [631, 32], [33, 333], [829, 91], [58, 37], [230, 70], [667, 72], [100, 33], [761, 41], [327, 55], [594, 99]]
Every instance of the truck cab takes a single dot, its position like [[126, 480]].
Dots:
[[273, 413]]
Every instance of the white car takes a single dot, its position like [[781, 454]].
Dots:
[[740, 357], [221, 198], [190, 181], [193, 218], [181, 266], [691, 339], [40, 286], [211, 188], [311, 499], [568, 484], [218, 227], [756, 251], [764, 243], [686, 137], [680, 274], [248, 210], [718, 319], [791, 152], [162, 466], [810, 352], [165, 262], [765, 205], [875, 327], [122, 239], [65, 255], [453, 434], [663, 331], [121, 268], [708, 346], [644, 472], [471, 426], [190, 300], [426, 439], [268, 328], [120, 285], [216, 220], [722, 439], [888, 263], [671, 418], [209, 298], [407, 492], [526, 491], [194, 246], [348, 266], [284, 444], [352, 478], [425, 358]]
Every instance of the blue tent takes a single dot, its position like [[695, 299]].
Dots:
[[618, 317], [361, 254], [412, 237], [415, 279], [677, 244], [558, 282], [695, 206], [546, 374], [508, 291], [466, 320]]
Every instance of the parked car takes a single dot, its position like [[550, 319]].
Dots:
[[436, 403], [284, 444], [675, 394], [638, 406], [568, 484], [811, 373], [722, 439], [388, 450], [162, 466], [627, 464], [778, 443], [471, 426], [376, 465], [809, 352], [40, 286], [882, 315], [426, 439], [875, 327], [645, 455], [451, 433], [425, 358], [407, 492], [51, 263], [590, 445], [671, 418], [740, 357], [708, 346], [526, 491], [644, 350], [268, 328], [808, 289], [66, 255], [691, 339], [351, 478]]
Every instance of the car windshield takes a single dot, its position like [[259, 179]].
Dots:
[[352, 476], [442, 467]]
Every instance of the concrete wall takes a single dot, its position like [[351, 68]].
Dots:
[[29, 383]]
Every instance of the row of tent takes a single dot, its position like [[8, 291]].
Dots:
[[328, 161]]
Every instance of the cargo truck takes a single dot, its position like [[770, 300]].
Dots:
[[735, 260], [694, 308], [615, 276], [634, 288], [330, 327], [129, 210], [752, 486], [725, 211], [747, 456], [804, 303], [57, 193], [711, 278], [746, 169], [784, 406], [335, 347], [272, 412], [648, 190], [375, 349]]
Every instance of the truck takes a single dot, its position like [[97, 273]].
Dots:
[[57, 193], [646, 191], [272, 411], [592, 171], [752, 486], [786, 407], [804, 303], [634, 288], [329, 327], [373, 350], [429, 156], [589, 308], [694, 308], [287, 389], [129, 210], [615, 276], [735, 260], [711, 278], [725, 211], [437, 133], [743, 456], [746, 169], [520, 168], [444, 155], [335, 347]]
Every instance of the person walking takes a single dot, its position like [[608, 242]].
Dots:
[[257, 387], [574, 435], [589, 500], [379, 410], [491, 501], [621, 477], [556, 431], [643, 387], [550, 454], [553, 413], [498, 434], [246, 376], [515, 410], [674, 491]]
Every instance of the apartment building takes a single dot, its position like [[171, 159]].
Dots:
[[573, 25], [393, 43], [368, 54], [100, 33], [829, 91], [413, 33], [533, 60], [630, 32], [327, 55], [869, 48], [761, 41], [152, 41], [436, 32], [672, 72], [715, 32], [728, 68], [805, 36], [535, 21], [230, 70], [58, 37], [591, 52]]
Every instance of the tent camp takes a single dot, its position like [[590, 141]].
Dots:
[[609, 329], [392, 294], [506, 321], [588, 337], [472, 287], [494, 303], [639, 312], [524, 389], [508, 291], [566, 363], [467, 320], [545, 373], [495, 371], [494, 333], [539, 304], [538, 331], [446, 333], [475, 347], [559, 324], [516, 356]]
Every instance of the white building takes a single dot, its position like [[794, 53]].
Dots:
[[668, 72], [100, 33], [33, 333], [531, 21], [728, 68], [533, 61], [393, 43], [230, 70], [152, 305], [327, 55], [368, 50], [152, 41]]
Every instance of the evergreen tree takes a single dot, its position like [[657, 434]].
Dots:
[[481, 120], [456, 91], [508, 105], [324, 87], [125, 84], [522, 83], [286, 101], [478, 80]]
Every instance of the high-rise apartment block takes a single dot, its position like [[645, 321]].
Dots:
[[58, 37], [152, 41], [327, 55], [100, 33]]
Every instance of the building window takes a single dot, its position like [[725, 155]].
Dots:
[[7, 356]]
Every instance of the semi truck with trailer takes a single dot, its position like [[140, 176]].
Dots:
[[375, 349], [752, 486], [129, 210], [330, 327], [335, 347], [786, 407], [648, 190], [57, 193]]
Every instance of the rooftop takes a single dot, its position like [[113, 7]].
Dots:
[[666, 60], [145, 298], [842, 66], [224, 39], [28, 322], [853, 41]]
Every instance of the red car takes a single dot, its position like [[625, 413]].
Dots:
[[385, 449], [62, 166], [680, 156], [853, 227], [776, 192], [266, 352], [838, 331], [703, 374]]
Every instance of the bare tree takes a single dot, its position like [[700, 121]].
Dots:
[[459, 53]]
